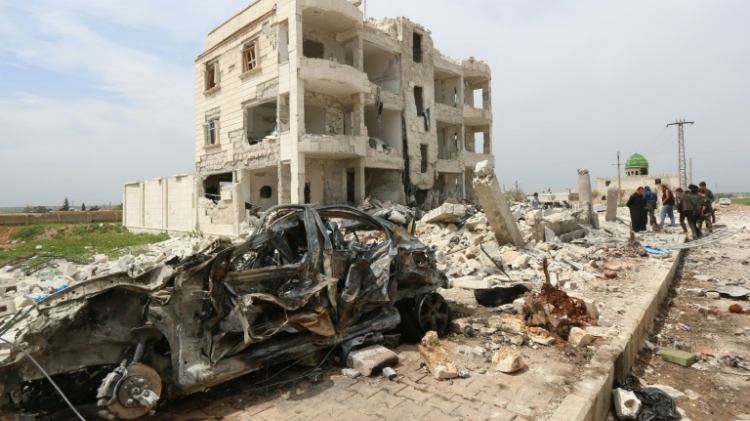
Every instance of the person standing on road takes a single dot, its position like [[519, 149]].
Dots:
[[535, 201], [637, 206], [705, 213], [710, 195], [686, 207], [650, 198], [667, 205]]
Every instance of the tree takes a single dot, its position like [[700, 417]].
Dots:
[[65, 206], [83, 207], [94, 208], [118, 207]]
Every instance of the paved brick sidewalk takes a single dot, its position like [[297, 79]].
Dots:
[[415, 395]]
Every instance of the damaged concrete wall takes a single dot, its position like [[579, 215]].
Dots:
[[165, 204], [324, 114], [495, 206], [327, 178], [385, 185]]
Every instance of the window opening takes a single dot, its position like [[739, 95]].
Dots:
[[313, 49], [212, 79], [417, 47], [249, 57], [423, 149], [266, 192], [419, 99], [211, 132]]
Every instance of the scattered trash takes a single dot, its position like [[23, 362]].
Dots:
[[684, 327], [389, 373], [735, 308], [656, 405]]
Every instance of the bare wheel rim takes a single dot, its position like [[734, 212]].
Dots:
[[433, 313]]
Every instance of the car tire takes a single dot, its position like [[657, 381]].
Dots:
[[435, 315]]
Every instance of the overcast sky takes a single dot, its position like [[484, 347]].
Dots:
[[97, 93]]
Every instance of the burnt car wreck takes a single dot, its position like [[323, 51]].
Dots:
[[306, 280]]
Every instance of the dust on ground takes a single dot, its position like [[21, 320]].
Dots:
[[716, 387]]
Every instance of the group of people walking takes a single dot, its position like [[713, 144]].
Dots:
[[694, 205]]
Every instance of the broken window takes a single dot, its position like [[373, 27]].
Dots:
[[478, 98], [350, 185], [266, 192], [657, 181], [211, 75], [211, 132], [419, 99], [417, 47], [284, 42], [313, 49], [424, 149], [607, 183], [249, 56]]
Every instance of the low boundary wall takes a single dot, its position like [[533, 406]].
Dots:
[[60, 217]]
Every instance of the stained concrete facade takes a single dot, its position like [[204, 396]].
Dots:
[[305, 101]]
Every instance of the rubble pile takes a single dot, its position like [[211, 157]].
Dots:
[[26, 281]]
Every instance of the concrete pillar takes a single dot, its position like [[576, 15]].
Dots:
[[359, 182], [496, 208], [613, 196], [297, 168], [285, 182], [238, 207], [359, 61], [585, 200]]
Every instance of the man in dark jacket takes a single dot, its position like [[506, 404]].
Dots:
[[687, 208], [710, 195], [650, 198], [637, 210], [667, 205]]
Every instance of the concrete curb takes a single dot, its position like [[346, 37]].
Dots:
[[591, 397]]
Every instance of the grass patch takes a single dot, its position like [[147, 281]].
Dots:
[[741, 202], [81, 240]]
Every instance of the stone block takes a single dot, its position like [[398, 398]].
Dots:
[[371, 359], [446, 213], [436, 358], [713, 295], [507, 360], [579, 337], [459, 325], [613, 198], [683, 358], [508, 324], [476, 223], [627, 405], [472, 282]]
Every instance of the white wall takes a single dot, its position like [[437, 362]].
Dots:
[[388, 129]]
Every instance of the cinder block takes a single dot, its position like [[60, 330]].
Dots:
[[7, 308], [683, 358], [371, 359]]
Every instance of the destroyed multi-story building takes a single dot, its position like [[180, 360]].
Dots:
[[305, 101]]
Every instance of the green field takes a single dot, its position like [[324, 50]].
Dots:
[[80, 240], [742, 202]]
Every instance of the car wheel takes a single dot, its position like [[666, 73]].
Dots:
[[422, 314]]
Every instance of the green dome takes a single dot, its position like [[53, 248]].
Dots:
[[636, 161]]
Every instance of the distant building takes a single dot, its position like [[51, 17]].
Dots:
[[637, 174], [305, 101]]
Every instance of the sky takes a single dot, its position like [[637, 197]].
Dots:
[[94, 94]]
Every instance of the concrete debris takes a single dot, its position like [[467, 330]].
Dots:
[[627, 405], [497, 211], [436, 358], [389, 373], [579, 338], [351, 373], [371, 360], [508, 361], [446, 213]]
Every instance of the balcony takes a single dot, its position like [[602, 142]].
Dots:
[[447, 113], [339, 146], [333, 78], [476, 116], [334, 16]]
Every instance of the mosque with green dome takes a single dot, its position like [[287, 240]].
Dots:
[[636, 174]]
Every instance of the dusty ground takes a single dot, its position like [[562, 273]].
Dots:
[[715, 389]]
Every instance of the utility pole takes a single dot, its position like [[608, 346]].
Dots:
[[681, 164], [518, 191], [691, 171], [619, 181]]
